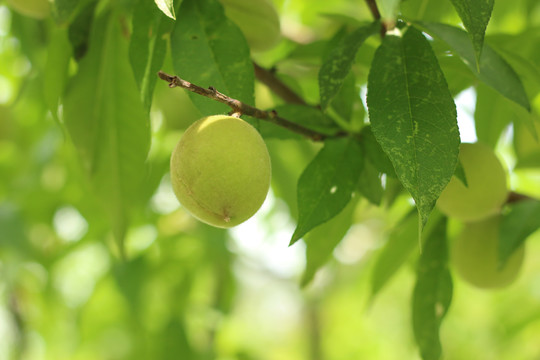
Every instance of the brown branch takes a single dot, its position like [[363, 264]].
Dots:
[[239, 108], [372, 5], [269, 79], [514, 197], [374, 9]]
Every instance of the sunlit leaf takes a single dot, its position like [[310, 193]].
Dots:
[[147, 47], [209, 50], [56, 69], [167, 7], [413, 116], [494, 70], [107, 122], [432, 293], [475, 15], [327, 184]]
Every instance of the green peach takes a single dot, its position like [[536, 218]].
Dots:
[[220, 170], [475, 252], [486, 191], [258, 20]]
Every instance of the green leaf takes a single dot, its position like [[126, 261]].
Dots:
[[388, 8], [347, 96], [370, 184], [167, 7], [492, 115], [432, 293], [460, 174], [401, 241], [475, 15], [337, 64], [526, 142], [80, 29], [321, 241], [327, 184], [56, 68], [63, 10], [147, 47], [521, 221], [494, 70], [413, 116], [521, 52], [375, 153], [107, 122], [209, 50]]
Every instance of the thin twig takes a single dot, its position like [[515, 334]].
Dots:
[[372, 5], [269, 79], [239, 107], [514, 197]]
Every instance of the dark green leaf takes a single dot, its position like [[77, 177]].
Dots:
[[375, 153], [327, 184], [401, 242], [167, 7], [460, 174], [475, 15], [413, 116], [521, 221], [209, 50], [80, 28], [321, 241], [338, 63], [432, 293], [107, 122], [343, 103], [370, 183], [494, 70], [147, 47]]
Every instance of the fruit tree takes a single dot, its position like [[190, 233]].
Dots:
[[269, 179]]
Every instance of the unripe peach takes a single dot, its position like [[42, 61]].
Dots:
[[486, 191], [475, 254], [220, 170]]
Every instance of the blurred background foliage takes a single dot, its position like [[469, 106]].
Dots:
[[188, 291]]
